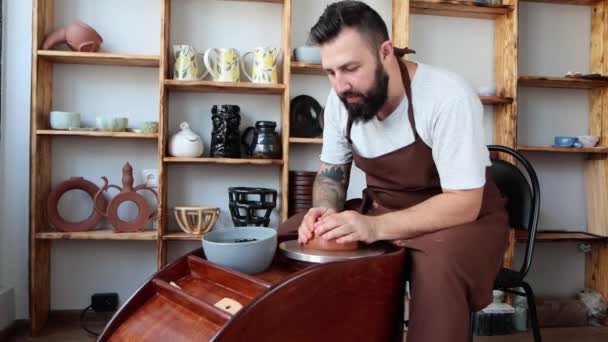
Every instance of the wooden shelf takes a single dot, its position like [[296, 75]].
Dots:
[[307, 69], [182, 236], [99, 58], [548, 235], [562, 149], [305, 140], [225, 87], [229, 161], [567, 2], [560, 82], [99, 134], [105, 234], [495, 100], [270, 1], [459, 9]]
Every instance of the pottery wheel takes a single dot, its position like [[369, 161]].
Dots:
[[293, 250]]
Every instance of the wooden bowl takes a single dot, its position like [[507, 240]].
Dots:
[[196, 220]]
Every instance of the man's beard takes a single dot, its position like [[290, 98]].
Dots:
[[372, 101]]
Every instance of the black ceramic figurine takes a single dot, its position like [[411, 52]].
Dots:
[[251, 206], [262, 141], [225, 137]]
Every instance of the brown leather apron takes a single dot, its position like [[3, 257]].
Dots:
[[452, 270]]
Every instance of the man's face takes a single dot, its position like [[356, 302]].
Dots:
[[356, 74]]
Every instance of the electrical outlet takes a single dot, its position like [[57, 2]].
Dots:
[[104, 302]]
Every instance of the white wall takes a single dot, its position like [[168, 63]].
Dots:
[[14, 152], [81, 268]]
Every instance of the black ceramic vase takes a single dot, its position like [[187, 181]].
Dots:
[[251, 206], [225, 137]]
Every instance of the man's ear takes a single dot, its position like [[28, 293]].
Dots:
[[386, 51]]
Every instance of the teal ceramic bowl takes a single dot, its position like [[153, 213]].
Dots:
[[64, 120], [245, 249]]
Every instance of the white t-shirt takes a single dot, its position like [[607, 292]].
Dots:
[[448, 115]]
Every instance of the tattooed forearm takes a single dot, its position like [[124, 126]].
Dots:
[[330, 186]]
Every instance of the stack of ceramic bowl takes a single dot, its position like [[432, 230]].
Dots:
[[300, 191]]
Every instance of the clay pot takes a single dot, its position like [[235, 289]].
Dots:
[[78, 36], [330, 245]]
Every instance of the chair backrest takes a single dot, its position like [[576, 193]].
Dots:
[[522, 192]]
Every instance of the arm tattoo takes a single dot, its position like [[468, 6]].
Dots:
[[330, 186]]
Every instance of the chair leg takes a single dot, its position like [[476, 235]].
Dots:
[[532, 308], [472, 327]]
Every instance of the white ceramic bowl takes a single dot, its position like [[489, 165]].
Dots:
[[308, 54], [486, 90], [588, 140], [64, 120]]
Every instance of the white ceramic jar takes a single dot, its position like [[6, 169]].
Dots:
[[185, 143]]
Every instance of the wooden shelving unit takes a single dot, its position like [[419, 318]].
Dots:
[[547, 236], [229, 161], [181, 236], [595, 163], [224, 87], [99, 58], [306, 140], [128, 135], [98, 235], [560, 82], [307, 68], [563, 149], [459, 9]]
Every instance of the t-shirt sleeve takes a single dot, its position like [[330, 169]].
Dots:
[[458, 143], [336, 149]]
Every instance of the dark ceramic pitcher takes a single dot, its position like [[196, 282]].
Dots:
[[262, 141]]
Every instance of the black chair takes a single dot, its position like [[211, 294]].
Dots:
[[522, 192]]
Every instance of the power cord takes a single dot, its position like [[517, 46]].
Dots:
[[83, 323]]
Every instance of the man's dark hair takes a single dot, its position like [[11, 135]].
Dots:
[[352, 14]]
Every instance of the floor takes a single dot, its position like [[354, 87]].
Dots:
[[72, 332]]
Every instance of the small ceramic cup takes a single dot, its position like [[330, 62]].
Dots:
[[64, 120], [120, 124], [150, 127]]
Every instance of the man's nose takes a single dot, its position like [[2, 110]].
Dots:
[[342, 84]]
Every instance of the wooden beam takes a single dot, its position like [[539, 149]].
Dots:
[[40, 164], [163, 181], [285, 110], [401, 23]]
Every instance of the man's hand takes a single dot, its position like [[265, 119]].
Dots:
[[305, 231], [347, 226]]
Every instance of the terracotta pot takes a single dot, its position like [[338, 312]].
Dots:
[[330, 245], [78, 36]]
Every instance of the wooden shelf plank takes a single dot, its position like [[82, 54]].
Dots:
[[495, 100], [568, 2], [270, 1], [563, 149], [295, 140], [549, 235], [100, 134], [307, 68], [464, 9], [182, 236], [225, 87], [230, 161], [99, 58], [105, 234], [560, 82]]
